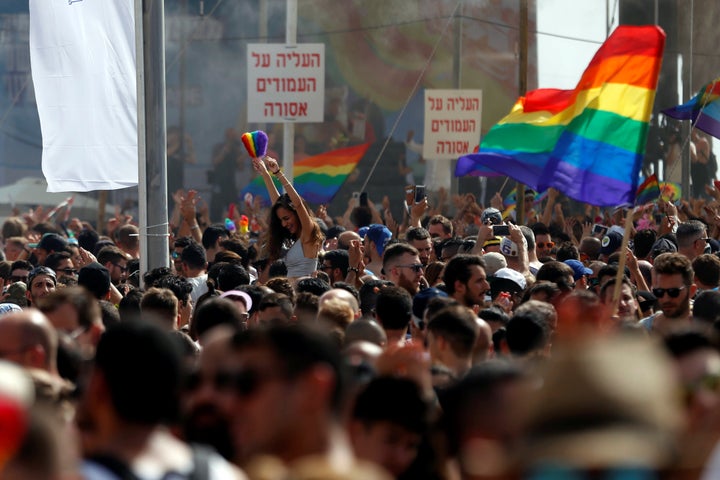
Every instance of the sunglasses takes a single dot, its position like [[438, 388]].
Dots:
[[122, 269], [16, 278], [545, 244], [241, 382], [415, 267], [673, 292], [68, 271]]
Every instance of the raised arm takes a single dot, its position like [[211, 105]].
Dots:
[[305, 219], [261, 168]]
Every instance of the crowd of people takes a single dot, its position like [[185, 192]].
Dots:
[[289, 344]]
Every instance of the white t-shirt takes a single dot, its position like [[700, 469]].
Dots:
[[199, 285]]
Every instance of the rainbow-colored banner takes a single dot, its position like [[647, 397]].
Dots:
[[317, 178], [703, 109], [588, 142]]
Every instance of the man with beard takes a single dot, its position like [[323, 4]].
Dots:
[[207, 404], [466, 281], [131, 395], [419, 238], [401, 265], [673, 286], [289, 388]]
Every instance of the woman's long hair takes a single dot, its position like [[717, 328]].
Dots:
[[277, 234]]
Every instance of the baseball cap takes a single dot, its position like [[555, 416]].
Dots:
[[41, 271], [51, 242], [380, 235], [611, 243], [512, 275], [362, 231], [247, 300], [421, 299], [95, 278], [663, 245], [491, 215], [578, 269], [9, 308], [492, 241]]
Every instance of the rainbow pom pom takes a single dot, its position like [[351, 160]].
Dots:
[[255, 143]]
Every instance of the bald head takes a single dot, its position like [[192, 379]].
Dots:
[[590, 246], [343, 295], [346, 237], [28, 339]]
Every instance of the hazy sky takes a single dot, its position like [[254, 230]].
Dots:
[[569, 34]]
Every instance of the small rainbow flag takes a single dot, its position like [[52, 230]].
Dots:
[[317, 178], [588, 142], [648, 191], [703, 109]]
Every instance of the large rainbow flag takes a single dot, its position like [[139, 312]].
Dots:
[[318, 178], [588, 142], [703, 109]]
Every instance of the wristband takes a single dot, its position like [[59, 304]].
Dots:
[[276, 172], [194, 227], [354, 269]]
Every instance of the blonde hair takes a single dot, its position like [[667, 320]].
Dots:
[[336, 313]]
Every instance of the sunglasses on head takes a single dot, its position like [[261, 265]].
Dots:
[[545, 244], [673, 292]]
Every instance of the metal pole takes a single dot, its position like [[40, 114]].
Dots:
[[457, 81], [182, 75], [686, 127], [522, 90], [289, 127], [152, 147]]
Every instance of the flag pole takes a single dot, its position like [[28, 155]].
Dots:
[[522, 87], [152, 146], [289, 127]]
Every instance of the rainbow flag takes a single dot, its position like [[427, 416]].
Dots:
[[672, 192], [510, 199], [703, 109], [318, 178], [648, 191], [588, 142]]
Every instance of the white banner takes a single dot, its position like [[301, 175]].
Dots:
[[452, 123], [82, 54], [286, 83]]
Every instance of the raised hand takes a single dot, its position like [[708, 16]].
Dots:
[[271, 164]]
